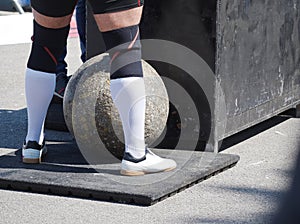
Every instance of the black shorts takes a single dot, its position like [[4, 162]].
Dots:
[[59, 8]]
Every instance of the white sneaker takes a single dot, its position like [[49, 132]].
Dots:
[[150, 163], [32, 152]]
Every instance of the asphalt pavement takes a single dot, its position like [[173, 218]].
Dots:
[[250, 192]]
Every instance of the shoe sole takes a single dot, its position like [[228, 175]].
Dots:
[[140, 173], [32, 161], [35, 160]]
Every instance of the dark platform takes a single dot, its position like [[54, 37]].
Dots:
[[65, 172]]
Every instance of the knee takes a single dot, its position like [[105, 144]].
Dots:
[[124, 48], [47, 46]]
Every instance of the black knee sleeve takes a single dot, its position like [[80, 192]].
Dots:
[[105, 6], [48, 44], [124, 48]]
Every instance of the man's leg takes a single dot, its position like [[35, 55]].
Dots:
[[51, 28], [61, 75], [118, 21], [62, 78], [61, 63], [127, 84], [81, 21]]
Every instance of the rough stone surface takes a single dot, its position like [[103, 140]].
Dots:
[[88, 92]]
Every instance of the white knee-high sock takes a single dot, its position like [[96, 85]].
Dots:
[[39, 88], [129, 97]]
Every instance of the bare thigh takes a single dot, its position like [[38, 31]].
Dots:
[[117, 20], [53, 13], [51, 22]]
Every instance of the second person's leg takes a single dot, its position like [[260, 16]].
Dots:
[[81, 26]]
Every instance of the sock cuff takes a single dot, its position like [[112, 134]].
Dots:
[[126, 85], [36, 73]]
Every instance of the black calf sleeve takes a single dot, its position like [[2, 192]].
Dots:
[[124, 48], [47, 46]]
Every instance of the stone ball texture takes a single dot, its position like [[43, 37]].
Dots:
[[89, 110]]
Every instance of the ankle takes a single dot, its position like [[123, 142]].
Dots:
[[135, 152]]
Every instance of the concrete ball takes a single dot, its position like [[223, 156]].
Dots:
[[88, 91]]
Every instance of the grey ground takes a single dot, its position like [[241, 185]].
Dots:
[[248, 193]]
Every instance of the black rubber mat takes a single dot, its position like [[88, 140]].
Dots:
[[64, 171]]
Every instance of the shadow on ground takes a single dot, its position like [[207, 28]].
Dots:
[[12, 128], [254, 130], [63, 156]]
